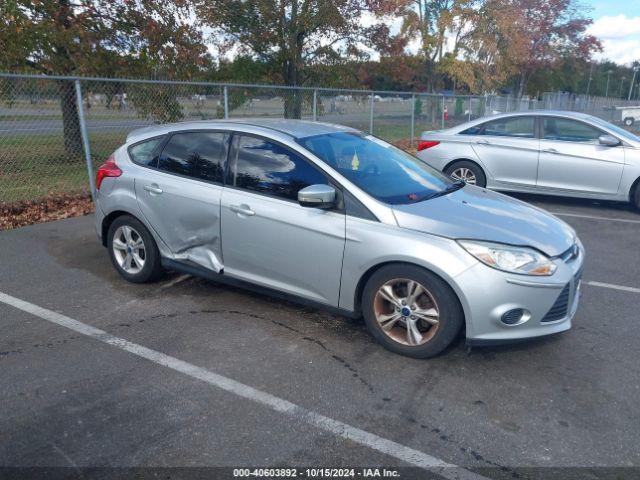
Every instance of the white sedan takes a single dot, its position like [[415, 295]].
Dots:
[[550, 152]]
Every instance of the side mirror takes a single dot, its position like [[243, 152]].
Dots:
[[608, 141], [317, 196]]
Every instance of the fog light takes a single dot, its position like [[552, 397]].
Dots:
[[515, 316]]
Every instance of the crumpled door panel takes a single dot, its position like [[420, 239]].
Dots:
[[203, 248], [186, 216]]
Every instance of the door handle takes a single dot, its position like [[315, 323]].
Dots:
[[153, 189], [483, 142], [550, 150], [242, 210]]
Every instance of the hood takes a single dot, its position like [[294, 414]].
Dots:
[[479, 214]]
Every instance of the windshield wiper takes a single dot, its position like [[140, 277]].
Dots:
[[445, 191]]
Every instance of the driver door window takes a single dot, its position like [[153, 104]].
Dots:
[[566, 130], [266, 167]]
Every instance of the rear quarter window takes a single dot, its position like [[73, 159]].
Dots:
[[146, 152]]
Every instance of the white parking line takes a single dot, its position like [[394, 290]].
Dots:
[[613, 286], [594, 217], [344, 430]]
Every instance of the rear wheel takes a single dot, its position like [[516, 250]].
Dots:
[[467, 171], [411, 311], [133, 250], [628, 121]]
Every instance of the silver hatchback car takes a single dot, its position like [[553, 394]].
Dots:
[[550, 152], [340, 219]]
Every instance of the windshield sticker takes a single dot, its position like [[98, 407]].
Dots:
[[355, 161]]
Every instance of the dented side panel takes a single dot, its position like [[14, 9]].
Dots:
[[185, 214]]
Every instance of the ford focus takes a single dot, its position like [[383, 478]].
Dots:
[[336, 218]]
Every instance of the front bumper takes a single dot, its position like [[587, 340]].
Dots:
[[550, 303]]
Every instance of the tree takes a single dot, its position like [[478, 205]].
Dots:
[[434, 23], [549, 30], [94, 37], [293, 34], [483, 57]]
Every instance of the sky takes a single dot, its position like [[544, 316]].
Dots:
[[617, 24]]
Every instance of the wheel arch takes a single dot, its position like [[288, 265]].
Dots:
[[109, 219], [475, 162]]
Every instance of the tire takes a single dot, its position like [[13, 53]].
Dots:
[[462, 166], [145, 267], [437, 295], [629, 121], [636, 196]]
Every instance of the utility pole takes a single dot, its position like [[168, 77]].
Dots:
[[590, 78], [609, 72], [633, 81], [620, 90]]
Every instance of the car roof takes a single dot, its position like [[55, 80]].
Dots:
[[559, 113], [292, 128], [487, 118]]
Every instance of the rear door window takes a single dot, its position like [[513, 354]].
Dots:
[[199, 155], [567, 130], [518, 127]]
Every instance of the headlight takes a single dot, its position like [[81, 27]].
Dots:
[[521, 260]]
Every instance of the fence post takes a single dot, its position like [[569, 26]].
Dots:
[[371, 115], [315, 104], [469, 107], [85, 139], [226, 102], [413, 119], [442, 116]]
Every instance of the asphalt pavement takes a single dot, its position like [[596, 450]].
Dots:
[[205, 375]]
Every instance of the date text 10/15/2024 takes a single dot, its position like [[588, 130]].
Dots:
[[316, 473]]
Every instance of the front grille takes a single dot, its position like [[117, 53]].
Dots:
[[559, 308]]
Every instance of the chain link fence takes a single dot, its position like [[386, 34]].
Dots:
[[54, 131]]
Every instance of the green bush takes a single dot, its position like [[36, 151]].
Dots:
[[458, 110]]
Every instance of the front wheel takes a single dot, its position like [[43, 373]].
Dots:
[[628, 121], [411, 311], [467, 171]]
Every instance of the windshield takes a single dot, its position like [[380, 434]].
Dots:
[[380, 169], [620, 131]]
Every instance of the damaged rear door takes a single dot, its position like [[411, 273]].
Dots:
[[181, 197]]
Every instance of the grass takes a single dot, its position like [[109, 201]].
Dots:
[[34, 166]]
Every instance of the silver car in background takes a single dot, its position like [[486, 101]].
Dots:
[[333, 217], [549, 152]]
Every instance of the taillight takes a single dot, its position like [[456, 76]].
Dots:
[[424, 144], [107, 169]]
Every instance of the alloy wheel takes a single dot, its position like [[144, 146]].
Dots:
[[129, 250], [406, 312], [464, 174]]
